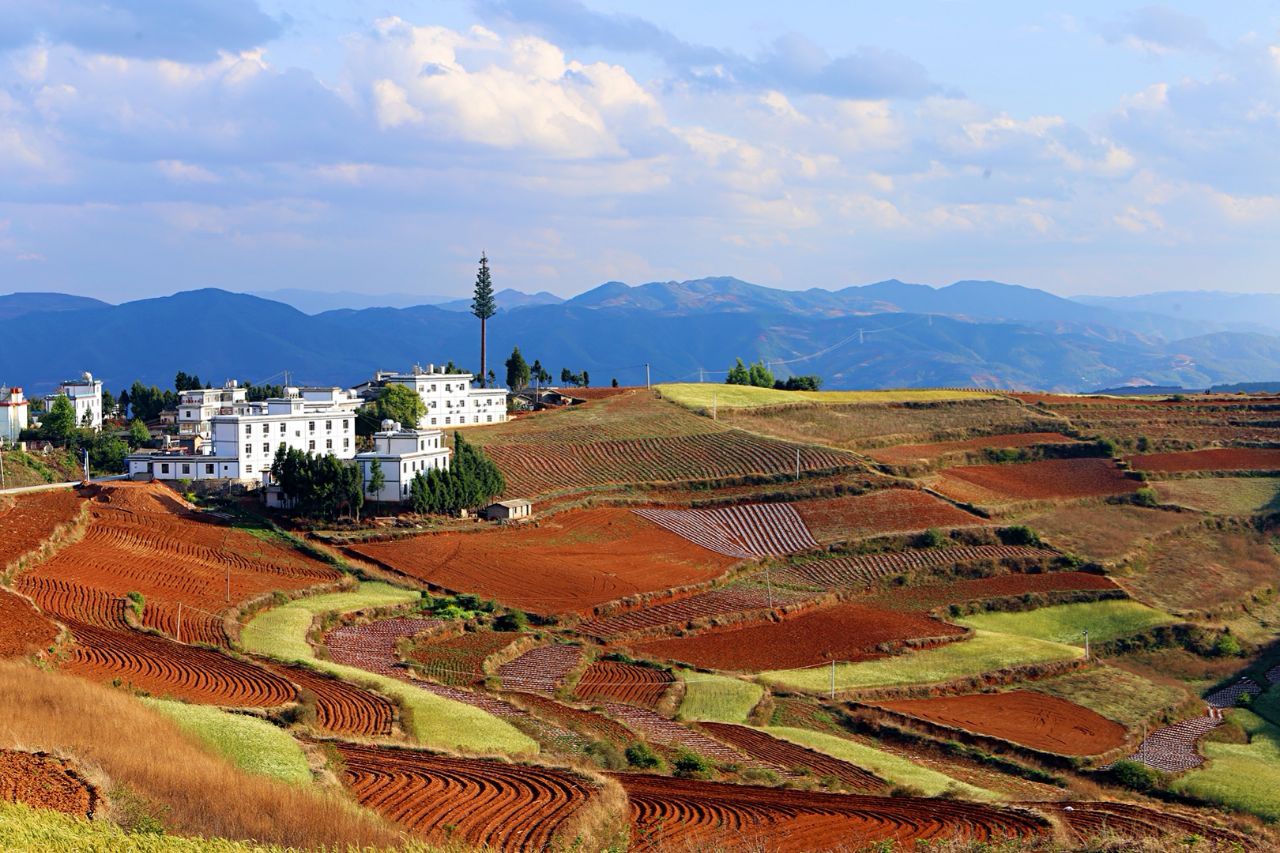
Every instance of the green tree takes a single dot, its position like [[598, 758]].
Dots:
[[536, 372], [738, 375], [398, 403], [518, 372], [59, 423], [760, 376], [377, 479], [586, 379], [483, 307], [138, 433]]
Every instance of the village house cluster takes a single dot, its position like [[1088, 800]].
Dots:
[[224, 436]]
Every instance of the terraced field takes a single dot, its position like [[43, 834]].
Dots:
[[481, 802], [663, 732], [45, 781], [880, 513], [865, 569], [793, 758], [23, 630], [459, 660], [681, 813], [1090, 820], [1216, 459], [541, 670], [372, 646], [27, 521], [930, 596], [342, 708], [607, 680], [702, 606], [1030, 481], [1196, 421], [908, 454], [743, 531], [164, 668]]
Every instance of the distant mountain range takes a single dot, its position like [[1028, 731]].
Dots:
[[888, 334]]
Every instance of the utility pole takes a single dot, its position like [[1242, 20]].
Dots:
[[646, 375], [768, 585], [179, 621], [1086, 644], [700, 379], [833, 678], [86, 465], [228, 583], [797, 463], [713, 406], [1, 470]]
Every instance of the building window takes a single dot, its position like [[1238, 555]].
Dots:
[[489, 418], [328, 425], [344, 423], [164, 467], [282, 429], [311, 445], [186, 469], [346, 443], [248, 449], [208, 469], [248, 429], [328, 444], [248, 469], [266, 448], [311, 426], [433, 421]]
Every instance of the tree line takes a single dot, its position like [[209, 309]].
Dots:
[[759, 375]]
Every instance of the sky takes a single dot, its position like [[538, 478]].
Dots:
[[379, 147]]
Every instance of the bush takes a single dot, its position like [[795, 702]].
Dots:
[[1019, 534], [137, 602], [1226, 646], [688, 764], [515, 620], [1135, 775], [639, 754], [1146, 496], [931, 538]]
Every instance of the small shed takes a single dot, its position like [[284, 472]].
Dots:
[[515, 509]]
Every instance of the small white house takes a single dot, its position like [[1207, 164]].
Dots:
[[403, 454], [85, 395], [14, 414], [171, 466], [516, 509]]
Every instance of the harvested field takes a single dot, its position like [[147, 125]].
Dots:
[[164, 668], [663, 732], [143, 539], [23, 631], [1105, 532], [1029, 481], [863, 570], [44, 781], [540, 670], [871, 425], [481, 802], [880, 513], [1215, 459], [458, 660], [930, 596], [681, 813], [623, 682], [792, 758], [342, 708], [1223, 495], [1029, 719], [748, 530], [1198, 568], [372, 646], [843, 632], [737, 598], [1195, 421], [907, 454], [1087, 821], [569, 563], [26, 521]]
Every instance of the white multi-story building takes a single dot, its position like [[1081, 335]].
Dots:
[[403, 454], [197, 407], [14, 414], [85, 395], [449, 397]]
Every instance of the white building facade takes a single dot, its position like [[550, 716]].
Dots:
[[403, 454], [449, 397], [14, 414], [197, 407], [85, 395]]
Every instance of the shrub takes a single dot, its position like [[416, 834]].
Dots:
[[931, 538], [1146, 496], [689, 764], [1226, 646], [1019, 534], [137, 602], [1135, 775], [639, 754], [514, 620]]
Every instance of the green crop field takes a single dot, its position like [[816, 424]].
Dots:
[[1116, 694], [281, 632], [1223, 495], [1239, 775], [433, 720], [717, 698], [983, 652], [699, 395], [251, 744], [892, 768], [1065, 623]]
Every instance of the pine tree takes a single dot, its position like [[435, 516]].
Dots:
[[483, 307], [517, 371], [377, 479]]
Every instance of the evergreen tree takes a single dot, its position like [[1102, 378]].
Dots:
[[483, 307], [138, 433], [517, 371], [59, 423], [760, 376], [377, 479], [738, 375], [123, 401]]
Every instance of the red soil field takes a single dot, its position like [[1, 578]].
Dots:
[[704, 605], [866, 569], [44, 781], [480, 802], [679, 814], [1035, 720], [743, 531], [23, 631], [1048, 478], [667, 733], [532, 471], [941, 594], [569, 563], [844, 632], [458, 660], [342, 708], [142, 538], [1086, 821], [791, 758], [623, 682], [373, 646], [1216, 459], [542, 669], [164, 668], [28, 520], [589, 724], [904, 454], [879, 513]]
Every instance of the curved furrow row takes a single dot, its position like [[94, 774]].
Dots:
[[70, 601], [1086, 820], [541, 669], [792, 758], [864, 569], [342, 708], [165, 668], [704, 605], [477, 801], [623, 682]]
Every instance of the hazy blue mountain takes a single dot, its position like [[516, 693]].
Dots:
[[1242, 311], [867, 339], [319, 301], [17, 304], [507, 300]]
